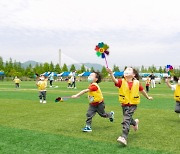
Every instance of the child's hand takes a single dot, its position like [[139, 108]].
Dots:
[[150, 98], [109, 70], [74, 96]]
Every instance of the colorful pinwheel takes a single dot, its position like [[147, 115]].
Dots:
[[169, 69], [102, 50]]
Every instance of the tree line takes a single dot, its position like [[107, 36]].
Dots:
[[13, 68]]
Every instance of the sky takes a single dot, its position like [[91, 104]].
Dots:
[[138, 32]]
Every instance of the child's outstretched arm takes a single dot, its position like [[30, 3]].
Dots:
[[80, 93], [168, 83], [112, 76], [146, 95]]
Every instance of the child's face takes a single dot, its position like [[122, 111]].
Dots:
[[42, 78], [128, 73], [92, 78]]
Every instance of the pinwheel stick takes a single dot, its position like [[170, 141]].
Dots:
[[106, 61]]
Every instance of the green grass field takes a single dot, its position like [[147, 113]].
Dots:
[[26, 126]]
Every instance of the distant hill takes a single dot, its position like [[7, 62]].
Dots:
[[88, 65], [27, 63], [77, 65]]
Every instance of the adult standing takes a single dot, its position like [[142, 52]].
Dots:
[[73, 85], [152, 77], [51, 79]]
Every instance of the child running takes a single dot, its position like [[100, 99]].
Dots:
[[129, 97], [17, 82], [148, 81], [42, 84], [176, 89], [96, 101]]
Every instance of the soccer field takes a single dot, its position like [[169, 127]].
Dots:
[[26, 126]]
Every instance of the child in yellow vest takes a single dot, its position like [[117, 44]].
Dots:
[[96, 101], [17, 82], [69, 82], [129, 97], [42, 84], [148, 81], [176, 89]]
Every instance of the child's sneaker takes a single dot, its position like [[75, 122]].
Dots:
[[87, 129], [136, 127], [40, 101], [122, 140], [44, 102], [112, 116]]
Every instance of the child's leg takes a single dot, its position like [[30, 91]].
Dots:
[[90, 113], [16, 85], [132, 122], [44, 95], [50, 82], [40, 95], [72, 85], [101, 111], [128, 111], [177, 107], [147, 88]]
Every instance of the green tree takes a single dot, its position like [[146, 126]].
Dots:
[[57, 68], [1, 64], [37, 69], [92, 69], [51, 67], [152, 69], [46, 67], [104, 72], [29, 71], [115, 68], [8, 67], [64, 68], [143, 69], [83, 69], [10, 64], [12, 72], [160, 70], [73, 68]]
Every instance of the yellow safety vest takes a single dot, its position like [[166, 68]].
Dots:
[[42, 85], [177, 93], [129, 96], [95, 96], [17, 80]]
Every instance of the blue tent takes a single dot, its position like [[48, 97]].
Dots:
[[144, 74], [2, 74], [50, 73], [85, 74], [118, 74], [63, 74]]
